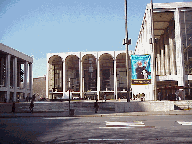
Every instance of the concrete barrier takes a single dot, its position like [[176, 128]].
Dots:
[[144, 106]]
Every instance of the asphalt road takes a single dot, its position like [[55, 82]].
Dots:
[[126, 129]]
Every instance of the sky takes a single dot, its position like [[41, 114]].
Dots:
[[38, 27]]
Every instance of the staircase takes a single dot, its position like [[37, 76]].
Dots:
[[58, 107], [183, 105]]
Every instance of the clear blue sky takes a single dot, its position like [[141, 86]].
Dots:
[[37, 27]]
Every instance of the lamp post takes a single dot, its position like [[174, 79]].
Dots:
[[126, 42]]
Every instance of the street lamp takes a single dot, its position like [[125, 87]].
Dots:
[[127, 42]]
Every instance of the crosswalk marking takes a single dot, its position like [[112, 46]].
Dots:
[[110, 139], [125, 124], [116, 127], [184, 123], [59, 118]]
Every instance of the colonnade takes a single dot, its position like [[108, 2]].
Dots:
[[165, 52], [12, 75], [106, 66]]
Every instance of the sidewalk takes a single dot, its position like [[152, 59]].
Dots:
[[92, 114]]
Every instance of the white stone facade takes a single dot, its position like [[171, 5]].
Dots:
[[15, 73], [169, 27], [86, 74]]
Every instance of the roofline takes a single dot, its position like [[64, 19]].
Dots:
[[165, 7], [170, 5], [15, 53]]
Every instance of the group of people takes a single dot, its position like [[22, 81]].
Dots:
[[140, 95], [178, 95]]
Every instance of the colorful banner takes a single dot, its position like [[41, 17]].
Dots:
[[141, 69]]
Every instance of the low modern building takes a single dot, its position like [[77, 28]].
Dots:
[[15, 72], [86, 74], [166, 35]]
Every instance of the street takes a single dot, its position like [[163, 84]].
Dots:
[[113, 129]]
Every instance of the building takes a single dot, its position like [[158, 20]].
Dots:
[[86, 74], [164, 42], [39, 87], [15, 71], [166, 35]]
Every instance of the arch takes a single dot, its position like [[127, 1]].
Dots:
[[89, 73], [55, 76], [121, 60], [55, 58], [121, 72], [72, 73], [106, 64]]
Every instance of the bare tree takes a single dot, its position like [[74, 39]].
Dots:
[[39, 87]]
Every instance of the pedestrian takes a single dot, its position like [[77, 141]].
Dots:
[[5, 100], [105, 97], [159, 95], [13, 107], [96, 106], [27, 98], [31, 106], [33, 97]]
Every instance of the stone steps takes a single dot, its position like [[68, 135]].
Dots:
[[183, 105], [89, 106], [57, 106]]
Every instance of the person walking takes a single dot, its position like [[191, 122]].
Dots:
[[13, 107], [96, 106], [27, 99], [159, 95], [31, 106], [105, 97]]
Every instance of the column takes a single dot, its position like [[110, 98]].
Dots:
[[48, 78], [158, 58], [98, 77], [81, 82], [166, 42], [156, 66], [8, 58], [179, 50], [63, 78], [162, 56], [172, 60], [25, 78], [15, 78], [155, 58], [115, 78], [81, 76], [1, 76], [30, 79]]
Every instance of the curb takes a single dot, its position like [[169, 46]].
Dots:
[[61, 114]]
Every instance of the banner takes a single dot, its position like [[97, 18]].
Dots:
[[141, 69]]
